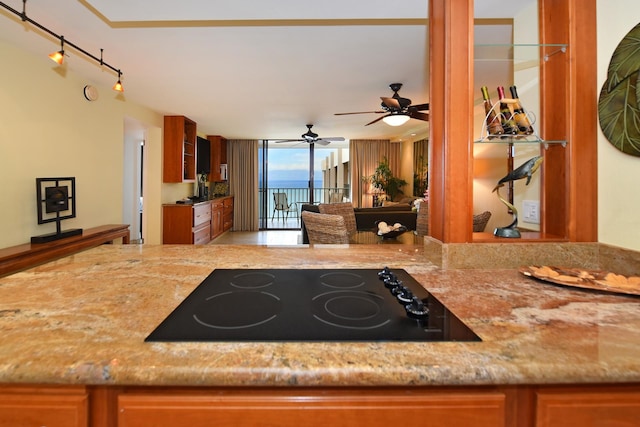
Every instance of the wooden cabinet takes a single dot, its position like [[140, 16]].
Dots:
[[186, 224], [221, 215], [584, 407], [218, 156], [227, 214], [217, 208], [317, 407], [44, 406], [179, 159], [196, 224]]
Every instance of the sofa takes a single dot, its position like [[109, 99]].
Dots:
[[366, 218]]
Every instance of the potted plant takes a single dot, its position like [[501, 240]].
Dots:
[[384, 180]]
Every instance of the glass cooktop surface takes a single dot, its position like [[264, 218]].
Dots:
[[311, 305]]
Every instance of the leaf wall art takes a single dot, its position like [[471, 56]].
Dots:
[[619, 103]]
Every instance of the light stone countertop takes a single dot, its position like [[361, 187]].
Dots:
[[83, 320]]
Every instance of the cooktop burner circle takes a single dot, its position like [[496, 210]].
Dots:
[[237, 310], [253, 280], [342, 280], [350, 309]]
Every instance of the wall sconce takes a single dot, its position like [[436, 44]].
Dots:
[[396, 119], [58, 56]]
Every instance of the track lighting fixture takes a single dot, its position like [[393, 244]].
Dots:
[[118, 86], [396, 119], [58, 56]]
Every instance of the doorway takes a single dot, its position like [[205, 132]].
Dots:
[[293, 174], [133, 183]]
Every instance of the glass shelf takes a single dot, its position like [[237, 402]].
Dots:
[[509, 52], [518, 139]]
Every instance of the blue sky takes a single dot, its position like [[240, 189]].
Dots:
[[292, 163]]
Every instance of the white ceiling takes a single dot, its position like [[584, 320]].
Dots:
[[250, 69]]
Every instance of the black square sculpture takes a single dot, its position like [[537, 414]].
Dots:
[[56, 200]]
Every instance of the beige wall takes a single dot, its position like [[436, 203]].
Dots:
[[618, 173], [48, 129]]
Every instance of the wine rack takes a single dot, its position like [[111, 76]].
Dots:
[[486, 137], [522, 57]]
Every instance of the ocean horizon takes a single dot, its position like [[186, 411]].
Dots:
[[291, 183]]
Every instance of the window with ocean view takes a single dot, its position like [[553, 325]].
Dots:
[[294, 174]]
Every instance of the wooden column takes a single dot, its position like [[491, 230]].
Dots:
[[568, 110], [451, 120]]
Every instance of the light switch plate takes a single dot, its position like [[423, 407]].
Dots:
[[531, 211]]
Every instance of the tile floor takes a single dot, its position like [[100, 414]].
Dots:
[[268, 237]]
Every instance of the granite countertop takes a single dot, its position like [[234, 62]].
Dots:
[[83, 320]]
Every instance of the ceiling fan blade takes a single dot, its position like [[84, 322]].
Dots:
[[377, 120], [322, 141], [334, 138], [277, 141], [360, 112], [418, 115], [392, 103], [420, 107]]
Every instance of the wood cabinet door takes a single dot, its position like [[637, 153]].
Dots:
[[218, 155], [599, 407], [227, 215], [360, 408], [216, 218], [177, 224], [49, 407], [179, 149]]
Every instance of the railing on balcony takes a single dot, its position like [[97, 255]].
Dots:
[[296, 197]]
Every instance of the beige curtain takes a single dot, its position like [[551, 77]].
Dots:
[[364, 156], [242, 157]]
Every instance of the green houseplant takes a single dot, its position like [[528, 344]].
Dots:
[[383, 180]]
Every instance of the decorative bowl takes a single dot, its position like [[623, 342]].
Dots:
[[390, 234]]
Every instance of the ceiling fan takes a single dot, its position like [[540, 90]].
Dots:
[[398, 110], [311, 138]]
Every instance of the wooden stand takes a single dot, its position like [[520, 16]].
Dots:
[[21, 257]]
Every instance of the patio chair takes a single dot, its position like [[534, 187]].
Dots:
[[345, 210], [323, 228], [282, 206]]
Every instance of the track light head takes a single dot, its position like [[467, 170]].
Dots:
[[118, 86], [58, 57]]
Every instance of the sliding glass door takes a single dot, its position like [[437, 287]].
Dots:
[[292, 174]]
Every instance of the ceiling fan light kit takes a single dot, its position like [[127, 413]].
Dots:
[[58, 56], [395, 119]]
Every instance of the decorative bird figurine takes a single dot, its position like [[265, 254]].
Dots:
[[527, 169]]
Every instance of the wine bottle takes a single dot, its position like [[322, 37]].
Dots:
[[506, 118], [494, 127], [519, 115]]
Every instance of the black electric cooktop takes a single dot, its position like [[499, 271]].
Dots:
[[311, 305]]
